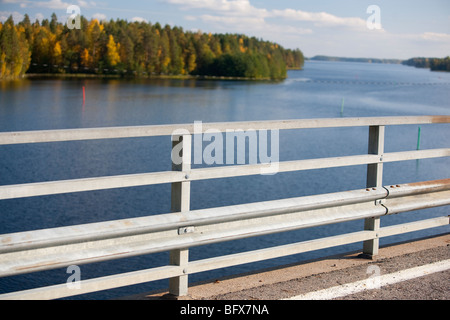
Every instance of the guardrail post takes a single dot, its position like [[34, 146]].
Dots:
[[374, 180], [180, 202]]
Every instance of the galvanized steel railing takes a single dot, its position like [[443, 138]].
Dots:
[[176, 232]]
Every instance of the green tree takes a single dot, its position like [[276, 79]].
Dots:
[[53, 23]]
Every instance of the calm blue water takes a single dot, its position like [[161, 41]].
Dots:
[[316, 92]]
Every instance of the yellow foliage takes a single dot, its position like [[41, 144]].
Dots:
[[17, 69], [192, 62], [3, 64], [52, 37], [241, 46], [57, 49], [112, 53], [85, 58], [57, 53], [44, 44], [93, 23], [166, 61], [183, 71], [218, 50]]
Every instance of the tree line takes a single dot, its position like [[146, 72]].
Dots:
[[136, 48], [434, 64]]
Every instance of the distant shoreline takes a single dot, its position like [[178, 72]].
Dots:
[[363, 60], [434, 64], [156, 77]]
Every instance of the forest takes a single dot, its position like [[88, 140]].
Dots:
[[136, 49]]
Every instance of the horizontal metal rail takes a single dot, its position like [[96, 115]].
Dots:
[[38, 250], [144, 276], [167, 130], [173, 221], [54, 248], [135, 180]]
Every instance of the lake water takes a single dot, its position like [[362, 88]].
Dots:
[[318, 91]]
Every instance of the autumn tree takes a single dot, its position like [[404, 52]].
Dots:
[[14, 51], [112, 54]]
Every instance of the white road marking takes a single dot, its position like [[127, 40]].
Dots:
[[368, 284]]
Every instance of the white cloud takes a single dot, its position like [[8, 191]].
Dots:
[[243, 8], [99, 16], [253, 24], [431, 36], [319, 18], [4, 15], [231, 7], [39, 16], [17, 16], [237, 16], [138, 19], [277, 25], [233, 20], [50, 4]]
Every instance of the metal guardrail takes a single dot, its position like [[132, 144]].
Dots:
[[176, 232]]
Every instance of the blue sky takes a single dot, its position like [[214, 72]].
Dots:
[[329, 27]]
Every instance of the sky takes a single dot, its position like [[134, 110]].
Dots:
[[395, 29]]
